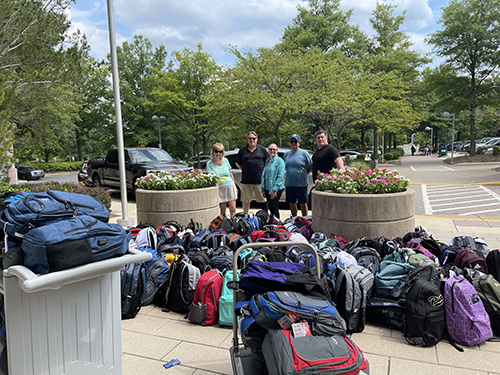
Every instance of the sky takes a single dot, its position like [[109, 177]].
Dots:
[[217, 24]]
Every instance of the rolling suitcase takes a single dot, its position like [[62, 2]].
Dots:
[[242, 359]]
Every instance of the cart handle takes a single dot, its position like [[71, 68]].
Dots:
[[235, 273], [31, 282]]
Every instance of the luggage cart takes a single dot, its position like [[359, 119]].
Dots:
[[241, 357], [66, 322]]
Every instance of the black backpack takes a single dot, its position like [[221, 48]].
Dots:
[[133, 289], [199, 258], [350, 300], [222, 259], [493, 263], [181, 284], [427, 273], [424, 309]]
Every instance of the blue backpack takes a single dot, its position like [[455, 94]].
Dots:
[[39, 209], [133, 289], [200, 239], [156, 275], [322, 316], [73, 242]]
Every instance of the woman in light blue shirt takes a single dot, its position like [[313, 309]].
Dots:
[[272, 179], [227, 189]]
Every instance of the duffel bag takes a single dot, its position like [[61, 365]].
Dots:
[[72, 242], [40, 209]]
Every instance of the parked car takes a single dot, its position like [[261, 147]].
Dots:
[[465, 146], [104, 171], [28, 172], [485, 142], [353, 154], [490, 144], [193, 161], [83, 175], [231, 157]]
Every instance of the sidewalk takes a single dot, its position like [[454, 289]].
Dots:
[[154, 337]]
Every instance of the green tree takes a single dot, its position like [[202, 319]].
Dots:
[[263, 91], [136, 63], [323, 25], [469, 41], [181, 92]]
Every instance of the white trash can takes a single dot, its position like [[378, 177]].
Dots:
[[66, 322]]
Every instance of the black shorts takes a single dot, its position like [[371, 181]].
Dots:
[[296, 193]]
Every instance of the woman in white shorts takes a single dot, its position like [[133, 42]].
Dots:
[[227, 189]]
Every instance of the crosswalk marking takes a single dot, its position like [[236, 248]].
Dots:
[[464, 199]]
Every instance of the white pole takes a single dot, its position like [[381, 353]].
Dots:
[[125, 220], [452, 136]]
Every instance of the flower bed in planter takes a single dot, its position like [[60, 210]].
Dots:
[[177, 196], [363, 202]]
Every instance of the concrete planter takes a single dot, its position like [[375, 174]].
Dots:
[[357, 215], [158, 206]]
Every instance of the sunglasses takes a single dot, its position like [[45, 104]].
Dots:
[[272, 149], [252, 138], [293, 141], [218, 151]]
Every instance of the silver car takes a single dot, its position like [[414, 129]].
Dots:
[[231, 157]]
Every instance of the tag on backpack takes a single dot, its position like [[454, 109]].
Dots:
[[301, 329], [287, 320]]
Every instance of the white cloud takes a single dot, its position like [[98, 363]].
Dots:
[[217, 24]]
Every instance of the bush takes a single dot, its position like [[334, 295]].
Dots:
[[99, 193], [361, 163], [496, 150], [177, 180], [481, 150], [361, 156], [388, 156], [347, 158], [58, 167]]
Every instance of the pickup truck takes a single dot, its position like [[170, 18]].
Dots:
[[104, 171]]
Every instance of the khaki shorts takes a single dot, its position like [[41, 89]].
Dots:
[[227, 193], [248, 190]]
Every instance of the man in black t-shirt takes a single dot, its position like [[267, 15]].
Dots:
[[326, 156], [251, 160]]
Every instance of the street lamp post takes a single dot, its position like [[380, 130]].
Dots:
[[432, 131], [159, 127], [452, 115]]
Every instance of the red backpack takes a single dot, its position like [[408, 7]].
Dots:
[[468, 258], [205, 307]]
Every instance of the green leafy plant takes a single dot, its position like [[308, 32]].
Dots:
[[361, 156], [388, 156], [362, 180], [177, 180], [496, 150], [481, 150], [99, 193]]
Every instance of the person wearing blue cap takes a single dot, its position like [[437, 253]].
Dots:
[[298, 165]]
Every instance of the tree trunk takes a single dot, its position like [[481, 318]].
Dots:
[[277, 136], [375, 143]]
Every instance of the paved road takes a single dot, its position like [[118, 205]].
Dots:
[[467, 190]]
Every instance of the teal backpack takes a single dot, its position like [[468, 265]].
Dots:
[[226, 300], [388, 275]]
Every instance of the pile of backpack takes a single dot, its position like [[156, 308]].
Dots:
[[414, 283]]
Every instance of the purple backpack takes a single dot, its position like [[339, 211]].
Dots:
[[466, 319]]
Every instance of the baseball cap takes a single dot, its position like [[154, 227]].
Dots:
[[295, 136]]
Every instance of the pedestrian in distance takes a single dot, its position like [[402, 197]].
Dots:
[[326, 156], [413, 150], [227, 188], [298, 164], [251, 159], [272, 179]]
